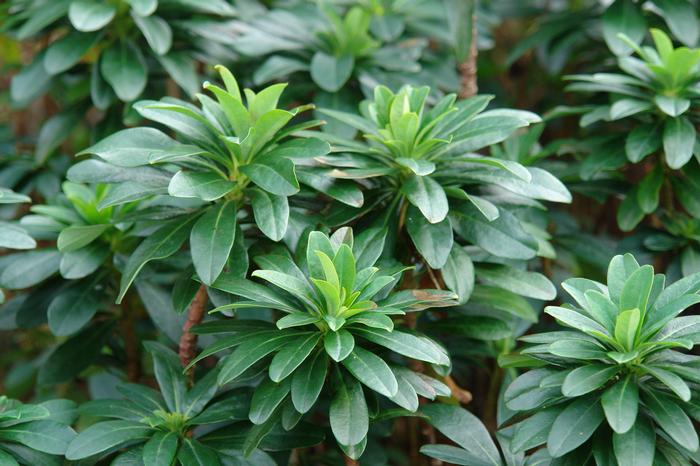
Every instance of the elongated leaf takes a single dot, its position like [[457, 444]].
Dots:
[[426, 194], [338, 344], [372, 371], [46, 436], [203, 185], [161, 449], [211, 240], [636, 446], [308, 381], [587, 378], [574, 425], [165, 242], [271, 213], [292, 356], [123, 67], [671, 418], [620, 403], [105, 435], [348, 413], [465, 429], [433, 240]]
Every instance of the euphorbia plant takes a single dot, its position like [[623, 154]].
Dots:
[[617, 380], [233, 159], [158, 427], [330, 44], [338, 317], [32, 434], [422, 168]]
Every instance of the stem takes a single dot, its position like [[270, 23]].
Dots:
[[467, 69], [459, 393], [350, 462], [131, 343], [195, 313]]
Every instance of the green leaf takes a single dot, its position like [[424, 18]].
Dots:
[[426, 194], [574, 425], [7, 459], [458, 273], [678, 140], [406, 344], [74, 355], [621, 403], [626, 327], [168, 372], [83, 262], [73, 308], [289, 358], [629, 213], [67, 51], [432, 240], [636, 446], [46, 436], [671, 418], [266, 399], [348, 413], [249, 352], [124, 68], [671, 380], [577, 349], [623, 16], [643, 140], [465, 429], [271, 213], [134, 147], [160, 450], [202, 185], [275, 175], [529, 284], [90, 15], [533, 431], [502, 237], [331, 72], [372, 371], [104, 436], [338, 344], [211, 240], [163, 243], [156, 31], [450, 454], [15, 237], [29, 268], [672, 105], [575, 320], [76, 237], [308, 381], [194, 453], [649, 187], [587, 378], [181, 67], [681, 18], [143, 7]]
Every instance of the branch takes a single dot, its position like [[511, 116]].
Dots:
[[460, 394], [195, 313], [467, 69]]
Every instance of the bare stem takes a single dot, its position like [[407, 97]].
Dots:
[[195, 313], [467, 70], [459, 393]]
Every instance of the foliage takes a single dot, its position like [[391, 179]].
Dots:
[[619, 362], [335, 312], [337, 251], [35, 433]]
